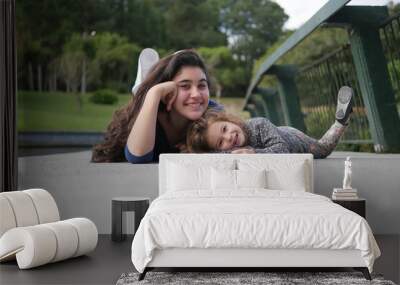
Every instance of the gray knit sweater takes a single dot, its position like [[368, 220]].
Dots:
[[265, 137]]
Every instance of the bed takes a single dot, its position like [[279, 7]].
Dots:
[[257, 210]]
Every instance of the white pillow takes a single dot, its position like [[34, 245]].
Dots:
[[188, 176], [225, 179], [293, 178], [182, 177], [282, 174], [251, 178]]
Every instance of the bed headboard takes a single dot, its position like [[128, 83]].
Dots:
[[281, 162]]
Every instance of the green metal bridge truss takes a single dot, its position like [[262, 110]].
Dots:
[[305, 96]]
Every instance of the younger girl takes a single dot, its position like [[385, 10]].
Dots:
[[219, 131]]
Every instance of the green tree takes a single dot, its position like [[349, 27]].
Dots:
[[73, 64], [104, 60], [43, 27], [141, 21], [193, 23], [252, 26], [115, 62], [228, 75], [394, 8], [71, 61]]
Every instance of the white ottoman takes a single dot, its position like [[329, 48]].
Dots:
[[31, 233]]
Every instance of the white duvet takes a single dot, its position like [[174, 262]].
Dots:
[[250, 219]]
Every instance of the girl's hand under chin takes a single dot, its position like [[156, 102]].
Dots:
[[243, 150], [167, 91]]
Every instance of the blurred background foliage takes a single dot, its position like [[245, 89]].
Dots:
[[79, 46], [69, 49]]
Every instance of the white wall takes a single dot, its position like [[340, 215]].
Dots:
[[85, 189]]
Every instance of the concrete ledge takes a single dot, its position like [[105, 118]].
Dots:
[[82, 188], [59, 139]]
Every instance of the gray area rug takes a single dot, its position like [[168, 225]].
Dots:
[[269, 278]]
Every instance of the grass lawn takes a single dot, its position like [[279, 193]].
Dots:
[[234, 106], [58, 111]]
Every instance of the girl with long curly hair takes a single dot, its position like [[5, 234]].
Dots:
[[174, 93]]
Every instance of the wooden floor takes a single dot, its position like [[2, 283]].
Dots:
[[111, 259]]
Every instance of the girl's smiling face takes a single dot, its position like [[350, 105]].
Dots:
[[224, 135], [193, 93]]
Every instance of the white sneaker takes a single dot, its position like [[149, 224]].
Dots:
[[147, 58]]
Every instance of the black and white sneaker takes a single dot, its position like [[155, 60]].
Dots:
[[147, 58], [344, 105]]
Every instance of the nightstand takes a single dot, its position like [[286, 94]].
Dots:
[[356, 205], [139, 205]]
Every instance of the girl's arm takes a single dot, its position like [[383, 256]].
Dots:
[[141, 138]]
